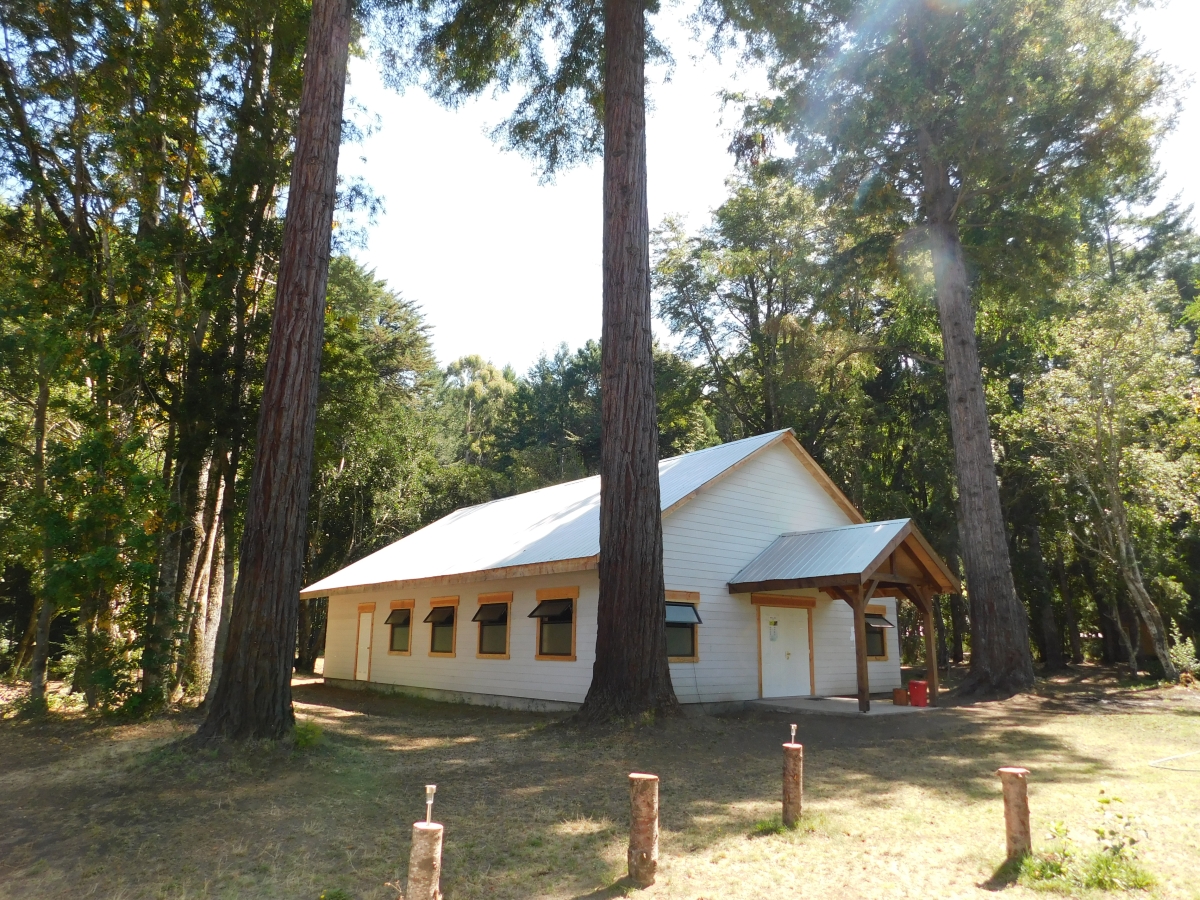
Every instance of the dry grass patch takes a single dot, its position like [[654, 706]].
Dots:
[[895, 807]]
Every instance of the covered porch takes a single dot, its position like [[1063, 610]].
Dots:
[[858, 563]]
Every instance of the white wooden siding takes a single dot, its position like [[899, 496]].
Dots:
[[833, 641], [706, 542], [518, 676]]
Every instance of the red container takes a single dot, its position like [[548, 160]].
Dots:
[[918, 693]]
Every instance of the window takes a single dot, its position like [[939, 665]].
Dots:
[[877, 625], [555, 613], [400, 622], [682, 620], [442, 618], [493, 616]]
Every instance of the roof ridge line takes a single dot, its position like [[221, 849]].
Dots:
[[845, 527]]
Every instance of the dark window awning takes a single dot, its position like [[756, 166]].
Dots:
[[877, 621], [549, 609], [398, 617], [441, 615], [491, 614], [682, 614]]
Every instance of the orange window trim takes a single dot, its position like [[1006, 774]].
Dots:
[[403, 604], [571, 593], [692, 597], [435, 602], [497, 597]]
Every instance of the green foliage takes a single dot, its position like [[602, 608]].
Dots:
[[307, 734], [146, 145], [370, 451], [1183, 652], [792, 317], [767, 827], [552, 50], [1063, 867], [810, 823], [872, 90], [334, 894]]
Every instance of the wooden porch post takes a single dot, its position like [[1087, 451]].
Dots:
[[931, 669], [860, 648]]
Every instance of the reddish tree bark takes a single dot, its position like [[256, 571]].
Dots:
[[631, 674], [1000, 657], [254, 696]]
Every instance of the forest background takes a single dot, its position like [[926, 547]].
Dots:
[[146, 153]]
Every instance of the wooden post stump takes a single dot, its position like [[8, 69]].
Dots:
[[425, 862], [643, 828], [1016, 811], [793, 784]]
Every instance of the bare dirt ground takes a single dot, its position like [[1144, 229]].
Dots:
[[904, 806]]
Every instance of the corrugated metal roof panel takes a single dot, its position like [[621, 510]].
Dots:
[[848, 550], [548, 525]]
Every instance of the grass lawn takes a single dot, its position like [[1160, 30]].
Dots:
[[895, 807]]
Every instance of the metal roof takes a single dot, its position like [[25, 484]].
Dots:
[[846, 552], [550, 525]]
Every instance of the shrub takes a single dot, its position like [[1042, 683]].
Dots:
[[809, 823], [1183, 652], [1064, 868], [307, 735]]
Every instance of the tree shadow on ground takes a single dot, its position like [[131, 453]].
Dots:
[[571, 786], [532, 807]]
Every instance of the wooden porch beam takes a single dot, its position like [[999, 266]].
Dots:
[[920, 564], [922, 598], [859, 606], [913, 594], [931, 665], [842, 592]]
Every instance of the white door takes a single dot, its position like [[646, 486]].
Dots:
[[362, 662], [784, 641]]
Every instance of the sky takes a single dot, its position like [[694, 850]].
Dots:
[[508, 268]]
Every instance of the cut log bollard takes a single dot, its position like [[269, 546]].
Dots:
[[793, 783], [425, 862], [643, 828], [1016, 811]]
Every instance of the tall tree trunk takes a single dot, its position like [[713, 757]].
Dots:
[[41, 636], [160, 617], [958, 627], [254, 696], [1134, 630], [304, 660], [212, 614], [41, 652], [1051, 642], [1000, 658], [312, 634], [1131, 574], [27, 640], [1070, 616], [631, 674], [940, 624], [228, 581], [189, 576], [1110, 625], [189, 668], [1131, 653]]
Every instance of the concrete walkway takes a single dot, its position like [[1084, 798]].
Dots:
[[837, 706]]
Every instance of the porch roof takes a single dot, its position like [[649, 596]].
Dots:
[[892, 554]]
